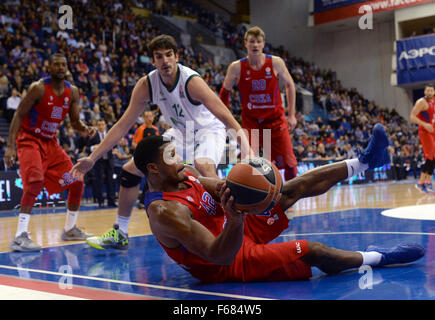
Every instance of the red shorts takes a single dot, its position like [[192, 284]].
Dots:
[[43, 160], [259, 261], [281, 147], [427, 140]]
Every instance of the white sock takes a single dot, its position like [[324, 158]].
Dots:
[[354, 166], [371, 258], [23, 223], [123, 222], [71, 219]]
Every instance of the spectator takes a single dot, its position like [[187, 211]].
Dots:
[[12, 104], [121, 154], [103, 169]]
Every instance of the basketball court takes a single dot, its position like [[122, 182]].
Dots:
[[348, 217]]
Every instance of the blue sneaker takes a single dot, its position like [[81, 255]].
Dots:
[[402, 253], [376, 153], [422, 188]]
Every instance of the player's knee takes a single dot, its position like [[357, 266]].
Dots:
[[129, 180], [30, 192]]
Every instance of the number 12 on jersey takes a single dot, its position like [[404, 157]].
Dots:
[[178, 110]]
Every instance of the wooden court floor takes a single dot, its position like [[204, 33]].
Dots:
[[46, 225]]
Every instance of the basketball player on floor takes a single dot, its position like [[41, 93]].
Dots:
[[257, 77], [43, 163], [423, 114], [216, 243], [193, 110]]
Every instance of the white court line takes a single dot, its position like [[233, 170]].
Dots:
[[153, 286], [356, 232]]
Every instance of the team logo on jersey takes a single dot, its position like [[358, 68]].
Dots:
[[268, 73], [66, 179], [65, 102], [162, 96], [272, 220], [189, 198], [182, 92], [51, 98]]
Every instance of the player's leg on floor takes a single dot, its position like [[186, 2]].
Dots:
[[22, 241], [319, 180], [117, 237], [32, 175], [331, 260]]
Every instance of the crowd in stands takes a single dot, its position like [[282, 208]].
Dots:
[[426, 31], [105, 70]]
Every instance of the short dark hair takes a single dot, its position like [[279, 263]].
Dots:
[[163, 41], [147, 151], [56, 55], [429, 85]]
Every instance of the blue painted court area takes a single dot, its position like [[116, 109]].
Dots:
[[145, 269]]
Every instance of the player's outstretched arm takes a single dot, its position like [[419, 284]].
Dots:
[[199, 91], [139, 98]]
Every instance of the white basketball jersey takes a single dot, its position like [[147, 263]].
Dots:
[[177, 107]]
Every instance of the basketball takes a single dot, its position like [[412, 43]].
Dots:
[[255, 185]]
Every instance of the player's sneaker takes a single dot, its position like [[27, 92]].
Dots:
[[376, 153], [402, 253], [114, 238], [422, 188], [23, 243], [74, 234]]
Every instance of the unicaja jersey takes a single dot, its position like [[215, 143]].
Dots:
[[259, 91], [178, 108], [429, 114], [45, 117]]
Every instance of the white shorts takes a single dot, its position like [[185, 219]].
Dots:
[[205, 143]]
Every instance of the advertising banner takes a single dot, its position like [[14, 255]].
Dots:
[[416, 59], [334, 10], [11, 190]]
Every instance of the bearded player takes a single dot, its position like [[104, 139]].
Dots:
[[43, 163]]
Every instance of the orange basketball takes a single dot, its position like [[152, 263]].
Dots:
[[255, 185]]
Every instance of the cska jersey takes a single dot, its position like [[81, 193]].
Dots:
[[429, 114], [45, 117], [205, 210], [260, 95]]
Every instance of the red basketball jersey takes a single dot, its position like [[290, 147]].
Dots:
[[44, 118], [429, 114], [259, 91], [205, 210]]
